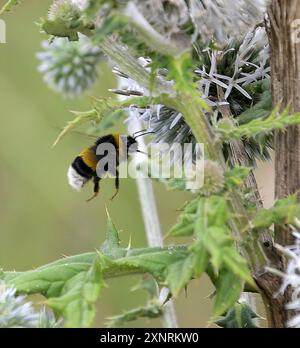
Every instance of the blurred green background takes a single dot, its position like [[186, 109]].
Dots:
[[42, 218]]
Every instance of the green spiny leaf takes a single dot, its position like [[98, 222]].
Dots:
[[185, 225], [213, 235], [240, 316], [284, 212], [235, 177], [275, 121], [262, 109], [228, 290], [111, 246], [213, 240], [237, 264], [49, 280], [76, 304], [180, 273], [217, 211]]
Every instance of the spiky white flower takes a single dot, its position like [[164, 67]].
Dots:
[[249, 64]]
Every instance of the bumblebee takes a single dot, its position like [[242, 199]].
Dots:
[[84, 166]]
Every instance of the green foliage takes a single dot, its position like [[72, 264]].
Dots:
[[213, 234], [111, 245], [228, 290], [73, 284], [76, 303], [285, 211], [239, 316], [8, 6], [185, 225], [235, 177], [255, 127], [261, 110], [172, 184], [180, 273], [207, 219]]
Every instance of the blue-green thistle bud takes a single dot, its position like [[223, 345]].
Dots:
[[69, 67]]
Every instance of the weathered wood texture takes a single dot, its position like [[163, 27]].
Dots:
[[283, 26]]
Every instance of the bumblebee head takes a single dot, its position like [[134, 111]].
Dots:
[[132, 145]]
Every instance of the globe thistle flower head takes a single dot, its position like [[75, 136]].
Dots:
[[233, 69], [69, 67], [233, 77]]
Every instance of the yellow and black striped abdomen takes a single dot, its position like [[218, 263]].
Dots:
[[89, 158], [82, 169]]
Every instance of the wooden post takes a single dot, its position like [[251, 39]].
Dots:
[[283, 27]]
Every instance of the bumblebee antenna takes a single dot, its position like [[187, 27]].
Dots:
[[141, 135], [141, 131], [144, 153]]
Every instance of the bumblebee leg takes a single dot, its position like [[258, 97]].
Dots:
[[117, 184], [96, 188]]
